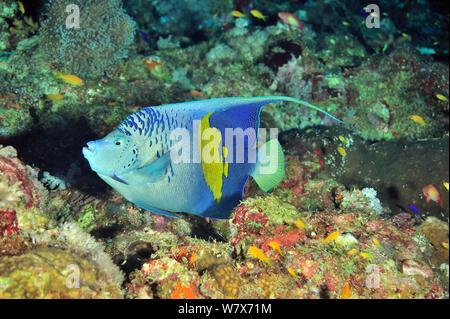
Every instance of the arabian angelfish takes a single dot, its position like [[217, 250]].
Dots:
[[192, 157]]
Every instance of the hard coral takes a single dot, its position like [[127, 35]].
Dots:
[[102, 39], [21, 181], [45, 273]]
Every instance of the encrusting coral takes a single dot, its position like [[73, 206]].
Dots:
[[86, 245]]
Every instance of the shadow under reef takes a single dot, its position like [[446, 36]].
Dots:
[[57, 149]]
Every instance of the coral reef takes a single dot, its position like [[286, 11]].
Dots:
[[182, 19], [102, 39], [350, 218], [61, 274], [8, 9], [86, 246]]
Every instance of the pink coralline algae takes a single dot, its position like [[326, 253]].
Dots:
[[15, 170]]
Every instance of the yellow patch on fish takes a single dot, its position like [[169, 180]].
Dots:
[[55, 97], [331, 236], [376, 242], [343, 139], [342, 151], [225, 165], [445, 185], [276, 246], [352, 251], [257, 14], [70, 78], [445, 244], [365, 255], [210, 139], [237, 14], [345, 292], [292, 272], [442, 97], [417, 119], [258, 253], [300, 224]]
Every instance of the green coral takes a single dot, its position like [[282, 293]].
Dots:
[[87, 220], [105, 32], [278, 211]]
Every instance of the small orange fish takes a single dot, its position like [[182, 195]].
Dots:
[[445, 244], [276, 246], [432, 193], [300, 224], [442, 97], [197, 93], [258, 253], [365, 255], [292, 272], [290, 20], [237, 14], [418, 119], [343, 139], [342, 151], [152, 64], [257, 14], [193, 257], [377, 242], [55, 97], [21, 7], [331, 236], [345, 292], [70, 78]]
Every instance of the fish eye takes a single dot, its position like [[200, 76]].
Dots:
[[118, 141]]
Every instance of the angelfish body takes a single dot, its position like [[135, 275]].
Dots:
[[137, 158]]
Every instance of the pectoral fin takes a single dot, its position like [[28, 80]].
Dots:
[[153, 171]]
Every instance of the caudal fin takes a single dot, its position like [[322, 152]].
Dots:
[[269, 170]]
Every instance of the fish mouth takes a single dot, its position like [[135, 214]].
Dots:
[[88, 149]]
